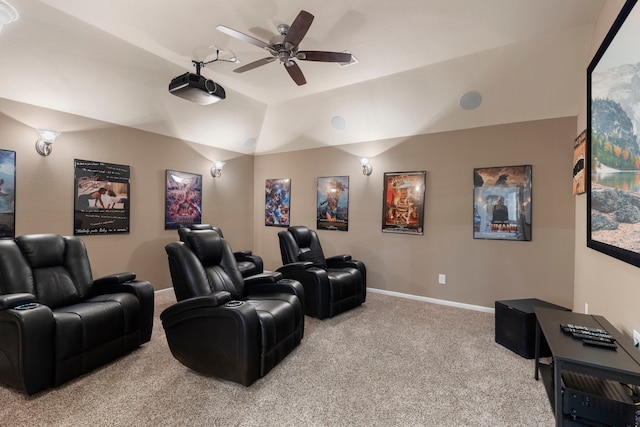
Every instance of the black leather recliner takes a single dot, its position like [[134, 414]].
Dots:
[[222, 325], [248, 263], [331, 285], [56, 322]]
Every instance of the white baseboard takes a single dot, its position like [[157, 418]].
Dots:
[[433, 300]]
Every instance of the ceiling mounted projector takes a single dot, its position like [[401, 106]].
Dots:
[[196, 88]]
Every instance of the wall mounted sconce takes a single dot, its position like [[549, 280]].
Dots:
[[216, 169], [367, 167], [44, 144], [8, 13]]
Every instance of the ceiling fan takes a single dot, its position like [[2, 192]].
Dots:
[[284, 47]]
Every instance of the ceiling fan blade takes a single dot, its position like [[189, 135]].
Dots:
[[299, 28], [295, 72], [241, 36], [254, 64], [318, 55]]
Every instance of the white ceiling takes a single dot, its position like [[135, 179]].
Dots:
[[112, 60]]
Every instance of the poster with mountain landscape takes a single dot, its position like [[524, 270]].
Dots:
[[613, 116]]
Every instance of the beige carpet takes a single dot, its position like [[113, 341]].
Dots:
[[391, 362]]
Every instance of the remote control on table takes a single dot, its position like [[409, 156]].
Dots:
[[602, 344], [584, 332]]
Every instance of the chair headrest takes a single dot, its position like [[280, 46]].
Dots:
[[42, 250], [207, 245], [182, 231], [302, 235], [201, 227]]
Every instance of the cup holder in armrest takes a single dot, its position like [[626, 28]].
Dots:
[[234, 304], [27, 306]]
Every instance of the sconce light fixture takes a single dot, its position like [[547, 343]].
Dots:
[[44, 144], [367, 167], [8, 14], [216, 169]]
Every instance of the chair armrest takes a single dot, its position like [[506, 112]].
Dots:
[[283, 286], [14, 300], [216, 299], [27, 346], [338, 258], [242, 256], [142, 289], [115, 279], [221, 341], [295, 266], [317, 288], [257, 279]]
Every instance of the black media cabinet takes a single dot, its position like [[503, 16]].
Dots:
[[569, 356]]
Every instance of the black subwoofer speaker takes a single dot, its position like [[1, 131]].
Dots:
[[516, 326]]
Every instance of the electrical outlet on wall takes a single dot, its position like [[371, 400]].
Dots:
[[442, 279]]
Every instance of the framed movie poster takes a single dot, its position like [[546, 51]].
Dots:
[[613, 153], [403, 202], [277, 202], [101, 198], [183, 199], [7, 193], [502, 203], [333, 203]]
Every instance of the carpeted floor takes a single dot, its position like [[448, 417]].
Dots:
[[391, 362]]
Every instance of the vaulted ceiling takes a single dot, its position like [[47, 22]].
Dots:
[[112, 60]]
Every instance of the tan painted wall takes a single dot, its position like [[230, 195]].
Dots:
[[44, 200], [609, 286], [478, 271]]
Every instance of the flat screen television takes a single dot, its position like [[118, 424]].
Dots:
[[613, 142]]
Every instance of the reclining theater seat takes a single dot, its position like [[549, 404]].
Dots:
[[248, 263], [331, 285], [56, 322], [223, 325]]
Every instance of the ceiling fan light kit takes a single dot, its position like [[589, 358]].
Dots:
[[284, 47]]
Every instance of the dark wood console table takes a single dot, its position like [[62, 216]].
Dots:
[[621, 365]]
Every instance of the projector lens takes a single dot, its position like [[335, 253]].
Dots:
[[210, 85]]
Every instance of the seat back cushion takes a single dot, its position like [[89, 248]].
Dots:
[[289, 250], [309, 246], [218, 261], [60, 268], [187, 273], [15, 273], [181, 233]]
